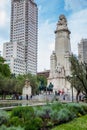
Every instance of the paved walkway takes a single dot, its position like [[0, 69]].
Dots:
[[33, 104], [41, 99]]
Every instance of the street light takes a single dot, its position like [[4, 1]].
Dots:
[[72, 93], [70, 78], [73, 85]]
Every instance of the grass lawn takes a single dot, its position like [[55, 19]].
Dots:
[[77, 124]]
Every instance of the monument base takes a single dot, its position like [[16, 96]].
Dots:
[[60, 83]]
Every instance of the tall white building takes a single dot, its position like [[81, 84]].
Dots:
[[14, 53], [82, 50], [24, 31]]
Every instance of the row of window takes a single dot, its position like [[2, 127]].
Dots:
[[19, 72], [17, 66]]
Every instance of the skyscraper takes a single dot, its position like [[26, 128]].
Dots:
[[24, 31], [82, 50]]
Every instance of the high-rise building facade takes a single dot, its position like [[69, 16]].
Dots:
[[14, 53], [82, 50], [24, 31]]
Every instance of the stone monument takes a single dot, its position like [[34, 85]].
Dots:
[[27, 90], [59, 60]]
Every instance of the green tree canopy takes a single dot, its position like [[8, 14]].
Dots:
[[4, 68], [20, 82], [78, 78], [42, 82]]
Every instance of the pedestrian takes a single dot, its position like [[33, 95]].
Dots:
[[31, 97], [64, 97], [26, 96]]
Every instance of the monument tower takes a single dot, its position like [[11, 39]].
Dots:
[[59, 60]]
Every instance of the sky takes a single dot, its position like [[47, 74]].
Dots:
[[48, 15]]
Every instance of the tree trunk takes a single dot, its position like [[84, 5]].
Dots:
[[77, 95]]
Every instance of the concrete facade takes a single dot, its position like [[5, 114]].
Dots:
[[14, 53], [24, 31], [82, 50], [59, 60]]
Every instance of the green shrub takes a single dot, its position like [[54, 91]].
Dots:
[[64, 115], [38, 122], [84, 106], [3, 127], [21, 112], [18, 111], [54, 116], [3, 117], [76, 109], [61, 116], [57, 105], [44, 113], [50, 124], [28, 113], [15, 121], [33, 124]]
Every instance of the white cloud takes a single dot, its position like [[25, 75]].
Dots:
[[4, 21], [78, 27], [3, 3], [3, 18], [75, 4], [45, 44], [52, 46], [4, 14]]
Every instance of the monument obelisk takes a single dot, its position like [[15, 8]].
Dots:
[[59, 60]]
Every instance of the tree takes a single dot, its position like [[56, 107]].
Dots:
[[42, 83], [75, 84], [78, 78], [4, 68], [33, 82], [4, 74], [20, 79], [7, 86]]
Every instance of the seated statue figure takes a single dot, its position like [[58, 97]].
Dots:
[[62, 21]]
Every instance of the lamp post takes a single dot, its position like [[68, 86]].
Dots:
[[72, 93], [46, 93], [71, 87]]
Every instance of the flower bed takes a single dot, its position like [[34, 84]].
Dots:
[[43, 117]]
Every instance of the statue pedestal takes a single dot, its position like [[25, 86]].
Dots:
[[27, 91]]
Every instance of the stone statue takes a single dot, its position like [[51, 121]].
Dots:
[[27, 90], [62, 24], [62, 21], [59, 68]]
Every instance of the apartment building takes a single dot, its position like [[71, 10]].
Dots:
[[14, 54], [24, 32], [82, 50]]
